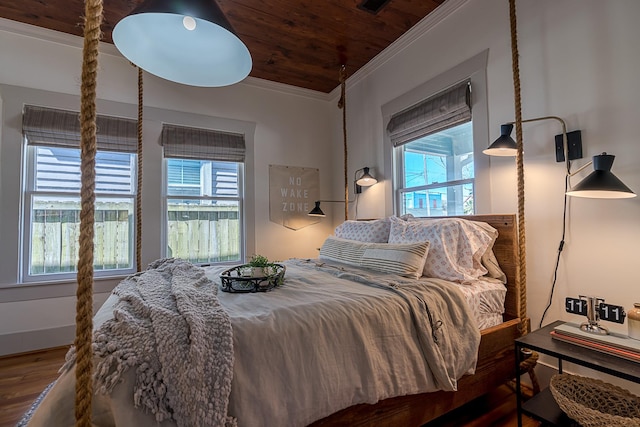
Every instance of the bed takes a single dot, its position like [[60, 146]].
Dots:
[[388, 383]]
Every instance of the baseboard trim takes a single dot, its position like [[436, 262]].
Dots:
[[28, 341]]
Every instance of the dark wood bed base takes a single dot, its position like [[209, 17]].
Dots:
[[496, 360]]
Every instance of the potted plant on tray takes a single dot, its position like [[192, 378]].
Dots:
[[259, 266]]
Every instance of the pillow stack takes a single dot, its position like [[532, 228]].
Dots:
[[459, 250]]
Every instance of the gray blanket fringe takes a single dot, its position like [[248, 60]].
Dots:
[[170, 327]]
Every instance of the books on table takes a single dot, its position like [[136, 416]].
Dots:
[[613, 344]]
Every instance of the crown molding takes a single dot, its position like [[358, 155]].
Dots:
[[52, 36], [70, 40], [442, 12]]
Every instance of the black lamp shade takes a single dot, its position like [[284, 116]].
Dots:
[[601, 183], [188, 41], [366, 179], [316, 211], [504, 145]]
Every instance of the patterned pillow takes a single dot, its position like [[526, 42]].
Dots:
[[456, 245], [403, 259], [376, 231]]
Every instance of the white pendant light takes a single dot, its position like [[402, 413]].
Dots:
[[189, 42]]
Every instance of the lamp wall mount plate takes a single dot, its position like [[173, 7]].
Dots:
[[188, 41], [574, 146]]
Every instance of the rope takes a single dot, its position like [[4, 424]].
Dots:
[[84, 304], [139, 185], [522, 270], [342, 104], [529, 364]]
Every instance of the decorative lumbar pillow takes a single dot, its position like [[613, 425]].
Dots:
[[342, 250], [405, 259], [456, 245], [376, 231]]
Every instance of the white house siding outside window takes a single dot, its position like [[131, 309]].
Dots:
[[433, 153], [51, 197], [204, 194]]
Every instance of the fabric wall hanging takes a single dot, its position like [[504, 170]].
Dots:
[[292, 191]]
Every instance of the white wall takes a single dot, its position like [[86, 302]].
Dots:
[[292, 127], [579, 59]]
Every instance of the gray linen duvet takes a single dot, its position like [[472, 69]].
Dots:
[[331, 337]]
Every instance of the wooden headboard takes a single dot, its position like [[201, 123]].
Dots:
[[507, 254]]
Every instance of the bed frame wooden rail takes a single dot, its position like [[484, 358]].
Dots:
[[496, 359]]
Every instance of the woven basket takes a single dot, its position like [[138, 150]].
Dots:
[[594, 403]]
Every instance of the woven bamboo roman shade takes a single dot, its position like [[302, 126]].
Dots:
[[441, 111], [61, 128], [202, 144]]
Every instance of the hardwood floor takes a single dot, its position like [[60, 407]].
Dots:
[[24, 376], [22, 379]]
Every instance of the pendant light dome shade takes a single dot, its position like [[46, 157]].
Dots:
[[189, 42], [601, 183]]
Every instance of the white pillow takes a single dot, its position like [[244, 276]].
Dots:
[[456, 245], [403, 259], [376, 231]]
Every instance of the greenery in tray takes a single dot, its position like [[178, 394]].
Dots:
[[260, 261], [261, 266]]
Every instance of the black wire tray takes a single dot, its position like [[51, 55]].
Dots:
[[239, 279]]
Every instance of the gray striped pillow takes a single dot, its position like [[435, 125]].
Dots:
[[404, 259], [343, 250]]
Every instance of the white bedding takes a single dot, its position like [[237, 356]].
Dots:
[[485, 298], [329, 338]]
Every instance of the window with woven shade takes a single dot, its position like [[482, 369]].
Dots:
[[204, 194], [51, 194]]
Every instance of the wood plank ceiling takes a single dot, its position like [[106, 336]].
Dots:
[[297, 42]]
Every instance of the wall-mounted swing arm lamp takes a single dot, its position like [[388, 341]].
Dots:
[[599, 184], [316, 211], [188, 41], [568, 144], [365, 179]]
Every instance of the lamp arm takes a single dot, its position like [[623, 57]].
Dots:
[[581, 168], [565, 142], [334, 201]]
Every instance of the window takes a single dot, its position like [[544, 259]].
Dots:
[[438, 173], [204, 194], [51, 197], [433, 152]]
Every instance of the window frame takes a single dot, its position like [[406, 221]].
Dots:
[[473, 69], [26, 238], [400, 189], [240, 198]]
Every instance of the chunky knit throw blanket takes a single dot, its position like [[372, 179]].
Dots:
[[169, 326]]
